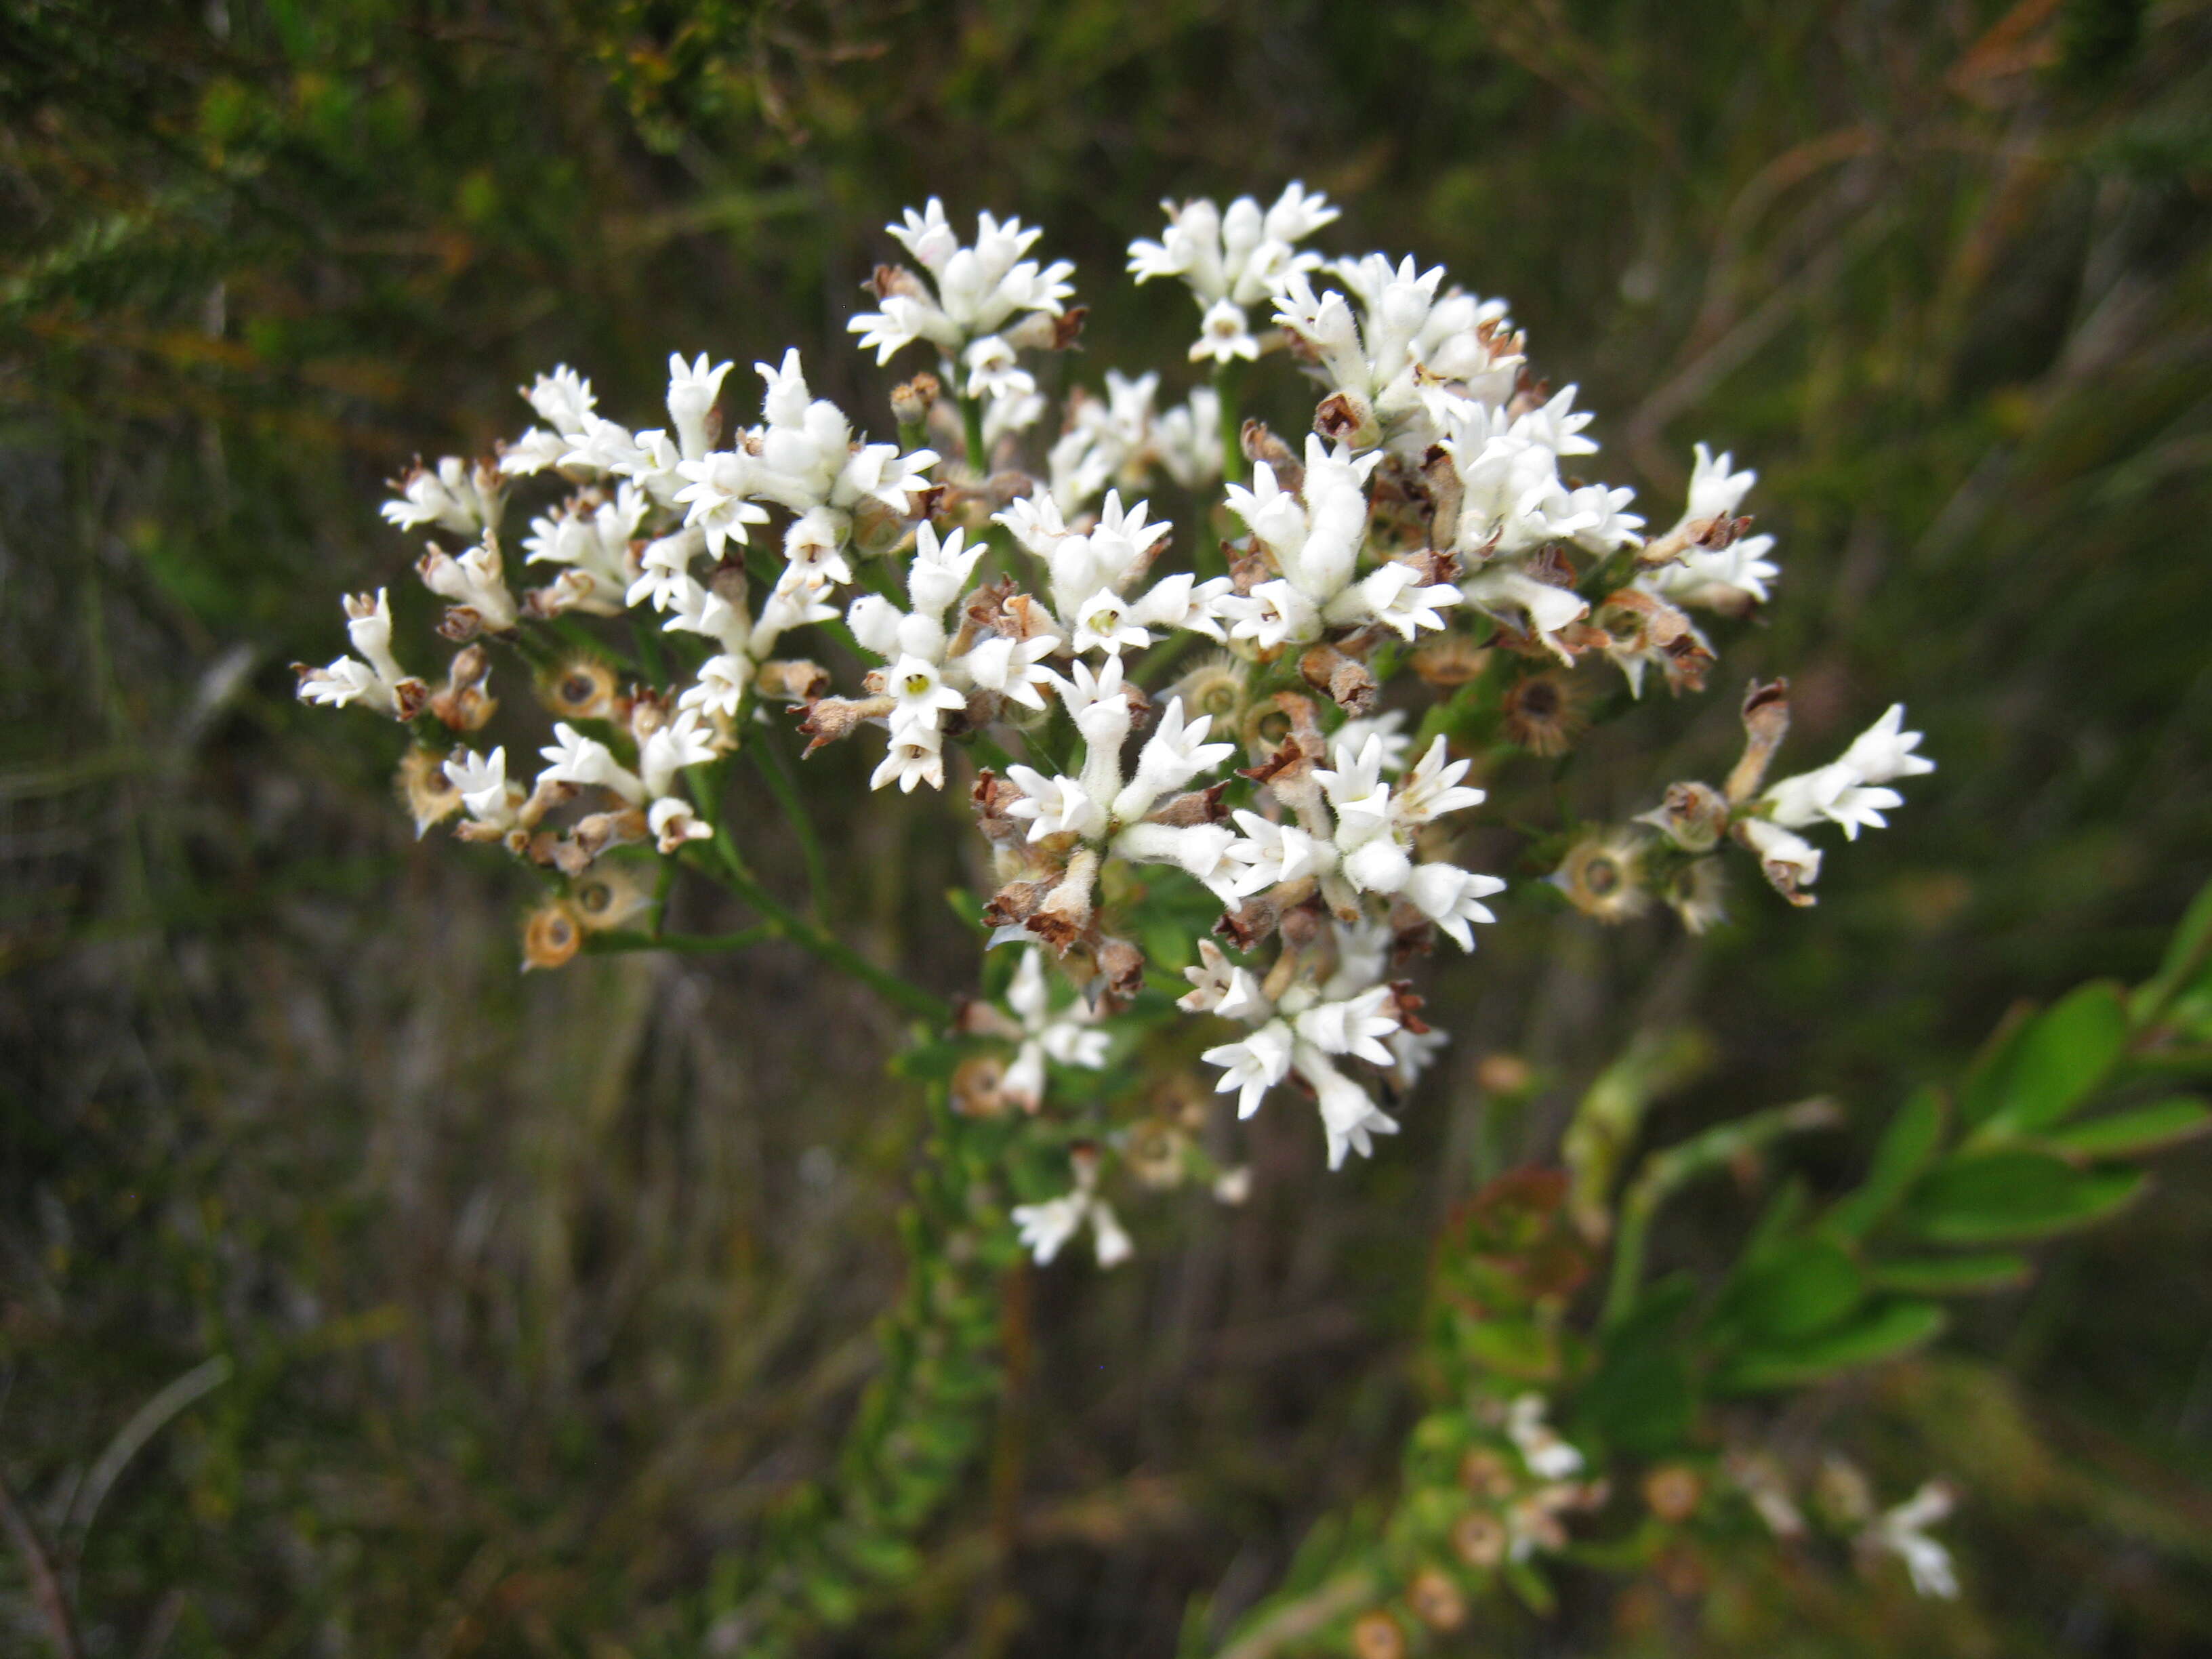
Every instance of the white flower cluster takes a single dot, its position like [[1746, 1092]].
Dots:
[[1848, 792], [1024, 603], [1233, 261]]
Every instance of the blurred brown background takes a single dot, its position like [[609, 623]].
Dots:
[[532, 1293]]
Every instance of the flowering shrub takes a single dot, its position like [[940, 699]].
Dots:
[[1218, 764]]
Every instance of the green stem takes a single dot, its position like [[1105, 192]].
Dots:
[[1225, 378], [689, 944], [1666, 1173], [775, 771], [971, 429], [789, 924]]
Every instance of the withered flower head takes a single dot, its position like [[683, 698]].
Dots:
[[1544, 713], [1602, 876], [1449, 659], [1215, 686], [1674, 1491], [1154, 1153], [979, 1086], [580, 689], [1479, 1539], [427, 792], [1377, 1636], [1697, 892], [1436, 1601], [552, 935], [608, 897]]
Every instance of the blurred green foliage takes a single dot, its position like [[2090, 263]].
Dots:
[[541, 1297]]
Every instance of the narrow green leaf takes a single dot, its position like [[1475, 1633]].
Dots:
[[1983, 1090], [1952, 1275], [1642, 1400], [2061, 1057], [1881, 1331], [1907, 1146], [2191, 941], [1803, 1288], [1997, 1198], [2138, 1129]]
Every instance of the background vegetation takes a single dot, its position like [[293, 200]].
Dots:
[[358, 1296]]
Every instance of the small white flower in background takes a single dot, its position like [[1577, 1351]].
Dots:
[[1903, 1532], [453, 496], [1069, 1035], [1045, 1228], [1548, 1457], [692, 389]]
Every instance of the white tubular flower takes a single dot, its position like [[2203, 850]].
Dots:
[[813, 550], [1434, 788], [534, 451], [1110, 1240], [1503, 591], [1069, 1036], [1387, 727], [1054, 807], [720, 689], [939, 570], [344, 682], [1274, 613], [1186, 439], [915, 756], [1103, 623], [692, 389], [1730, 579], [587, 762], [1791, 861], [1273, 853], [453, 496], [368, 625], [1045, 1228], [604, 447], [1903, 1532], [923, 698], [783, 612], [979, 289], [1885, 750], [1253, 1065], [1451, 897], [1174, 753], [683, 741], [1548, 1457], [664, 575], [1355, 1027], [1349, 1115], [1224, 335], [1847, 791], [673, 822], [1395, 595], [1201, 850], [1013, 668], [483, 786], [1715, 492], [1222, 987], [715, 499], [1356, 792], [475, 580], [563, 399], [994, 372]]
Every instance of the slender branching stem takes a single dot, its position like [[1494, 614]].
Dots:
[[775, 771], [689, 944], [1225, 381]]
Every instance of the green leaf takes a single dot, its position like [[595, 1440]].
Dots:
[[1995, 1198], [2061, 1058], [2191, 940], [1952, 1275], [1982, 1090], [1881, 1331], [1801, 1288], [1908, 1145], [2139, 1129], [1641, 1398]]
